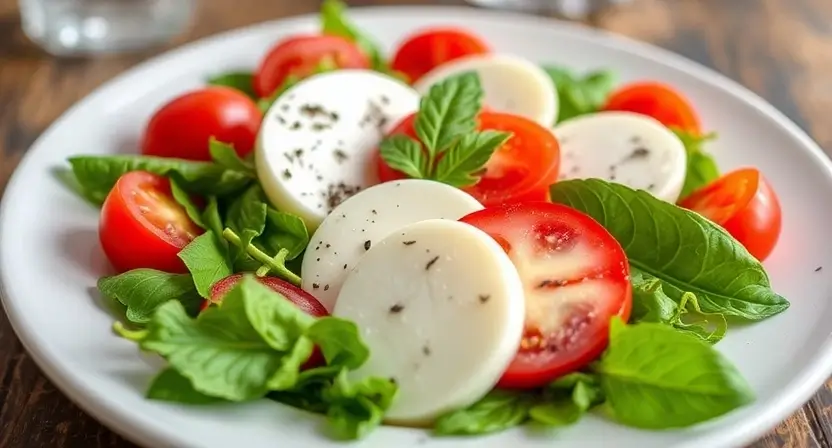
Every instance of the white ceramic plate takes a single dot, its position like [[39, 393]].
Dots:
[[50, 257]]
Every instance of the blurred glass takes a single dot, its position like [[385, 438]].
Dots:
[[83, 27], [573, 9]]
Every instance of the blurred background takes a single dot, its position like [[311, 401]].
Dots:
[[55, 52]]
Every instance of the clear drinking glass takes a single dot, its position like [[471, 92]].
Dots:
[[82, 27], [572, 9]]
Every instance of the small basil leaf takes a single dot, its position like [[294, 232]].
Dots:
[[340, 342], [497, 411], [447, 111], [404, 154], [247, 218], [242, 81], [182, 198], [169, 385], [211, 217], [355, 409], [225, 155], [334, 22], [206, 257], [284, 231], [463, 163], [580, 95], [142, 291], [701, 166]]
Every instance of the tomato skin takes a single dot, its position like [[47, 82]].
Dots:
[[526, 165], [300, 55], [302, 299], [542, 231], [183, 127], [132, 239], [745, 205], [430, 48], [656, 100]]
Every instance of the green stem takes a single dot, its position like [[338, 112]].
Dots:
[[275, 264], [132, 335]]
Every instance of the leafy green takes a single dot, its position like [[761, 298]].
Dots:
[[247, 217], [242, 81], [284, 231], [340, 342], [701, 166], [356, 408], [98, 174], [206, 257], [211, 216], [334, 22], [169, 385], [685, 251], [580, 95], [462, 164], [405, 154], [182, 198], [225, 155], [497, 411], [567, 399], [253, 343], [447, 112], [142, 291], [655, 377]]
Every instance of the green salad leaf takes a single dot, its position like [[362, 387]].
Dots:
[[242, 81], [448, 111], [701, 166], [184, 199], [497, 411], [211, 216], [567, 399], [247, 218], [142, 291], [655, 377], [356, 408], [580, 95], [98, 174], [334, 22], [463, 161], [685, 251], [206, 257], [284, 231], [404, 154], [225, 155], [170, 385]]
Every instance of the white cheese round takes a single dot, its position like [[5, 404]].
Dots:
[[510, 83], [623, 147], [364, 219], [441, 308], [316, 142]]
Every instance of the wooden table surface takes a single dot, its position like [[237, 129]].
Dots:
[[781, 49]]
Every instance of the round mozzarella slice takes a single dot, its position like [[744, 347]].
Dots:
[[316, 140], [511, 84], [364, 219], [441, 309], [624, 147]]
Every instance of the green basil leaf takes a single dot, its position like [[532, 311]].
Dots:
[[404, 154], [225, 155], [655, 377], [169, 385], [242, 81], [206, 257], [340, 342], [284, 231], [334, 22], [497, 411], [687, 252], [247, 218], [567, 399], [447, 111], [463, 163], [142, 291], [710, 327], [98, 174], [237, 351], [211, 217], [357, 408], [308, 392], [182, 198], [701, 167], [580, 95]]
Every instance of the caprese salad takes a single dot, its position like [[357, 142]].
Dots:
[[450, 238]]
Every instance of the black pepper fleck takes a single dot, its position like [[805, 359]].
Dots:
[[315, 286], [426, 350], [548, 283], [318, 259], [287, 174], [340, 155], [295, 126], [367, 245], [326, 287], [408, 243], [345, 266], [818, 269], [373, 211], [431, 262], [484, 298], [397, 308]]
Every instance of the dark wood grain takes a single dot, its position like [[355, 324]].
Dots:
[[780, 49]]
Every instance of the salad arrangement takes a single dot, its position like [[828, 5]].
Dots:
[[450, 238]]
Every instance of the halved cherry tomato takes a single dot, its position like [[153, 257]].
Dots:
[[300, 298], [656, 100], [142, 226], [575, 277], [182, 127], [427, 49], [521, 170], [300, 56], [745, 205]]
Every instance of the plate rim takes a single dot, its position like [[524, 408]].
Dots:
[[141, 430]]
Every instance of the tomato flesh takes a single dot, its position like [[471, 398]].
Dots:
[[428, 49], [656, 100], [521, 170], [300, 298], [183, 127], [300, 56], [745, 205], [575, 277], [142, 226]]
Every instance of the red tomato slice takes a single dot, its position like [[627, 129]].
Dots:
[[300, 298], [656, 100], [426, 50], [142, 226], [521, 170], [300, 56], [576, 277], [182, 127], [743, 203]]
